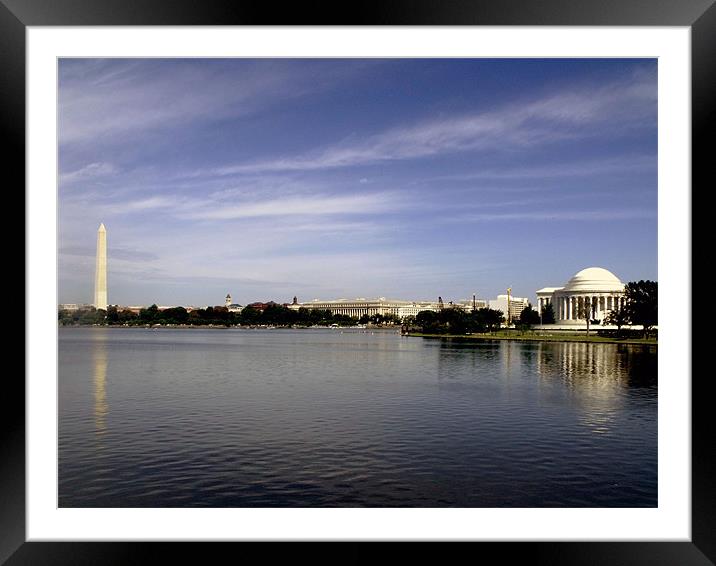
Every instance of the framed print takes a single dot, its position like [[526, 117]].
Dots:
[[497, 190]]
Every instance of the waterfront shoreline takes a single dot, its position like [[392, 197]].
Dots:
[[395, 329], [522, 337], [537, 338]]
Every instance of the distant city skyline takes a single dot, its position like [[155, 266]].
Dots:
[[353, 178]]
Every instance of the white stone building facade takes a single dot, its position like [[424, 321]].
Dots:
[[230, 305], [515, 308], [360, 307], [593, 289]]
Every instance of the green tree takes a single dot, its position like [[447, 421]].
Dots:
[[127, 317], [175, 315], [390, 318], [320, 316], [641, 298], [250, 315], [617, 317], [491, 318], [112, 315], [91, 316], [274, 314], [149, 315], [529, 317], [585, 310], [548, 314], [427, 321], [66, 317], [453, 320], [222, 316], [303, 316], [344, 320], [207, 315]]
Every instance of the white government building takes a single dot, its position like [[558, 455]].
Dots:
[[231, 306], [598, 287], [508, 303], [361, 306], [382, 306], [595, 286]]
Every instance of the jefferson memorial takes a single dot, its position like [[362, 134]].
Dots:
[[594, 286]]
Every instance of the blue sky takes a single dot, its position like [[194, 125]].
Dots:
[[326, 178]]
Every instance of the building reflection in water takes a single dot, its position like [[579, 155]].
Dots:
[[596, 381], [101, 408], [596, 377], [598, 367]]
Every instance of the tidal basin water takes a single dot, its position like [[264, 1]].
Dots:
[[320, 417]]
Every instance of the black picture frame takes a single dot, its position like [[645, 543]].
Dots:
[[699, 15]]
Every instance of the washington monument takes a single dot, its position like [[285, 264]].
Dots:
[[100, 274]]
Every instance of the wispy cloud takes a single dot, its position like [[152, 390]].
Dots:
[[560, 116], [605, 166], [117, 253], [564, 215], [110, 207], [229, 205], [313, 205], [119, 98], [107, 101], [88, 172]]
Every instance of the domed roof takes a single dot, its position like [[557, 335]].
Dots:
[[594, 279]]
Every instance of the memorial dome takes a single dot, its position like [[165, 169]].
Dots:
[[594, 279]]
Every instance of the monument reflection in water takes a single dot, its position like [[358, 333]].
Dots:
[[100, 385], [286, 418]]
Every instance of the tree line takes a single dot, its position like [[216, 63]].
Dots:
[[640, 308], [454, 320], [272, 315]]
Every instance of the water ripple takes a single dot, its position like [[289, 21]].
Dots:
[[280, 418]]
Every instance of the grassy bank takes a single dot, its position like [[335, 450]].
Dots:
[[532, 336]]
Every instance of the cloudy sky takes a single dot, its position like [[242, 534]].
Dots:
[[326, 178]]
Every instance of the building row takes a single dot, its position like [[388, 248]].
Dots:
[[382, 306], [594, 291]]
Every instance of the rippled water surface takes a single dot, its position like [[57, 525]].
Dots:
[[265, 418]]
